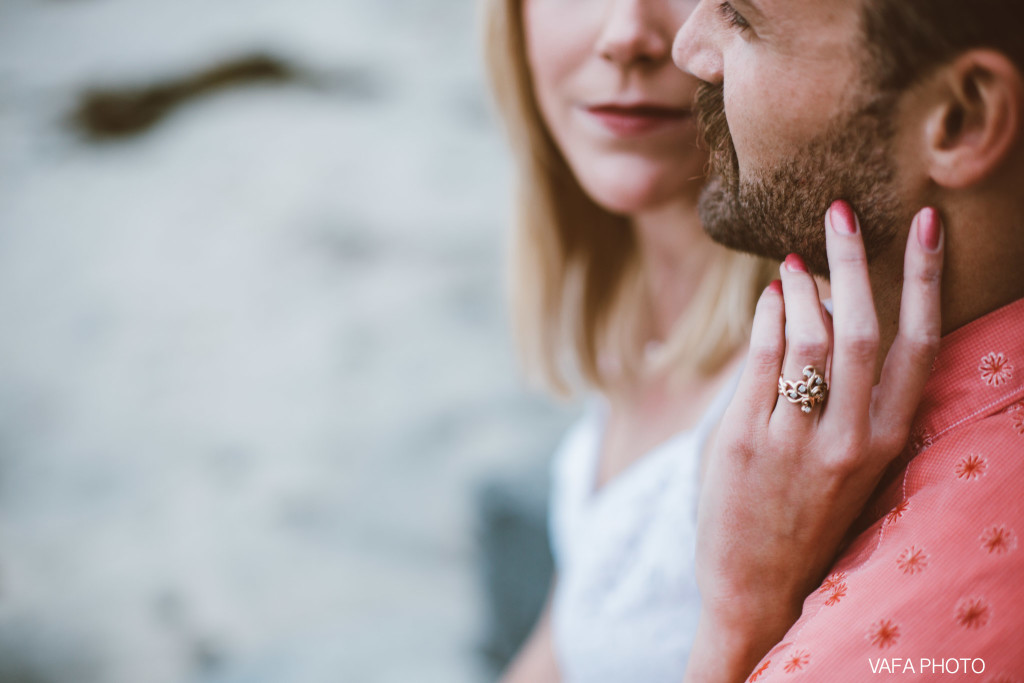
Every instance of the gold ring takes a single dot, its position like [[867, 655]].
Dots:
[[808, 392]]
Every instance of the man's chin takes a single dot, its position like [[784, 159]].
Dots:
[[755, 225], [726, 222], [719, 215]]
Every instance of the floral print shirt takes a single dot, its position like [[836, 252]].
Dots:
[[933, 586]]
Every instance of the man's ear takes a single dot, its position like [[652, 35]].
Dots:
[[976, 119]]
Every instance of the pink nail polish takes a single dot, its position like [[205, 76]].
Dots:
[[795, 264], [929, 232], [775, 286], [843, 220]]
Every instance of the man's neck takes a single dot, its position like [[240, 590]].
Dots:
[[984, 270], [984, 262]]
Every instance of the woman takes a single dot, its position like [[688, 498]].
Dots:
[[616, 288]]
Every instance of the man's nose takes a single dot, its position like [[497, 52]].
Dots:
[[695, 48], [633, 32]]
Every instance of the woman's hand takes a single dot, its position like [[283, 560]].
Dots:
[[782, 486]]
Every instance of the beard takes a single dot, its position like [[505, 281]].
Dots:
[[780, 209]]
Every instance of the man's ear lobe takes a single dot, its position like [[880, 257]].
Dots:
[[976, 119]]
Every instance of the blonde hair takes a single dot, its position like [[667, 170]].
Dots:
[[578, 298]]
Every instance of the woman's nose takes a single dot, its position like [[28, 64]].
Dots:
[[635, 32]]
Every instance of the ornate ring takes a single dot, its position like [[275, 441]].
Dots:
[[808, 392]]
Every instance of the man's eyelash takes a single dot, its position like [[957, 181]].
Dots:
[[733, 17]]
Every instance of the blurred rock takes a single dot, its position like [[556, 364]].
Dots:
[[254, 359], [516, 563], [119, 112]]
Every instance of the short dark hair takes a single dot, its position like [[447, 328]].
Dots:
[[907, 39]]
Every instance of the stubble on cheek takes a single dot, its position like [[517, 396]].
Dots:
[[779, 209], [725, 215], [723, 163]]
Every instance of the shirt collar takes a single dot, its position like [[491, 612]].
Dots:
[[979, 370]]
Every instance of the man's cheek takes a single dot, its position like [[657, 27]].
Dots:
[[748, 140], [763, 142]]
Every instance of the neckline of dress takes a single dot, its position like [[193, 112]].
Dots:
[[593, 493]]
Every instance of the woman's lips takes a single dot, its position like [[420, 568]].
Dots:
[[637, 120]]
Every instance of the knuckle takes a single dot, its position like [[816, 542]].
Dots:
[[928, 275], [840, 464], [811, 346], [851, 258], [845, 456], [739, 443], [861, 341], [767, 351], [921, 346], [926, 344]]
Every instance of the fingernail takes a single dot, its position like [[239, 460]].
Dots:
[[775, 286], [795, 264], [843, 219], [929, 230]]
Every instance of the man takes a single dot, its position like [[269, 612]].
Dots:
[[890, 105]]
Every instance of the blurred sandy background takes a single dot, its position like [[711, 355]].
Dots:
[[254, 358]]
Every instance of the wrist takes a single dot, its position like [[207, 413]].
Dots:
[[730, 642], [747, 615]]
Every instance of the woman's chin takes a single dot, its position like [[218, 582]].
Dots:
[[635, 188], [634, 198]]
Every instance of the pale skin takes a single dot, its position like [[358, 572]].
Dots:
[[640, 417], [620, 51], [786, 66]]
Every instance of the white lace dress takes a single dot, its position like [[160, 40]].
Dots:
[[626, 605]]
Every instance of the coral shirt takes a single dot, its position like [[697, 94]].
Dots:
[[934, 585]]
